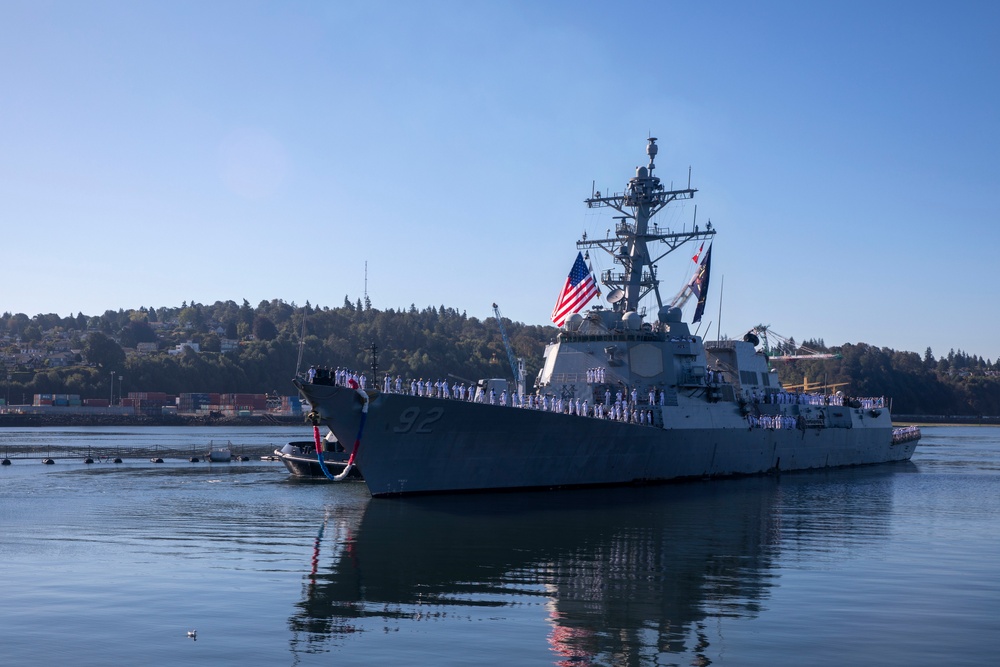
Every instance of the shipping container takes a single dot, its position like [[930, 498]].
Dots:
[[148, 395]]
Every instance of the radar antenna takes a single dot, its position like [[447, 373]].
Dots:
[[628, 245]]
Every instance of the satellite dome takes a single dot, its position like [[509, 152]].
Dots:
[[631, 320], [573, 322]]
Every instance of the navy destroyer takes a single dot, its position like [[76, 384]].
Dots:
[[623, 396]]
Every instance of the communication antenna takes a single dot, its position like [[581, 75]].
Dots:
[[722, 287]]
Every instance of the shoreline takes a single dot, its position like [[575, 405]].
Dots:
[[944, 420], [28, 419]]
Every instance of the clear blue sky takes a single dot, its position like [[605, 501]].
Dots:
[[159, 152]]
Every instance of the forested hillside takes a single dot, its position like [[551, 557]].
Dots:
[[246, 349], [241, 348]]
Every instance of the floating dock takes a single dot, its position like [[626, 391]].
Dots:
[[122, 454]]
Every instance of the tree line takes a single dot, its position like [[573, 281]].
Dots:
[[433, 342]]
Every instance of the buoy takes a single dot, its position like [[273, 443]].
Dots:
[[194, 459], [117, 460], [6, 462], [88, 460], [48, 462], [156, 459], [193, 634], [244, 458]]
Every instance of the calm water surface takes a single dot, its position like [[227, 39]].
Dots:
[[114, 564]]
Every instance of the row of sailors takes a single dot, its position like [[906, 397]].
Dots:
[[788, 421], [905, 434], [789, 398], [348, 378], [772, 421], [440, 389], [874, 402], [620, 410], [337, 376], [343, 377]]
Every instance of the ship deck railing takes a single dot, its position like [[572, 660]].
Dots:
[[613, 336]]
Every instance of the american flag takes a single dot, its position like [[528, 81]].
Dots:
[[581, 287]]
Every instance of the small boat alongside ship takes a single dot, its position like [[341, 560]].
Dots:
[[622, 397], [301, 460]]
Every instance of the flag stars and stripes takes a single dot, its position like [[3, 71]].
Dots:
[[580, 287]]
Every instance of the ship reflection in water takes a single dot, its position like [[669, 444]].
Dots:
[[618, 574]]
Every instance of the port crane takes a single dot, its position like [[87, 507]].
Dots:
[[516, 365], [763, 332], [809, 387]]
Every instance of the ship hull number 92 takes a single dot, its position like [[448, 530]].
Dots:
[[415, 420]]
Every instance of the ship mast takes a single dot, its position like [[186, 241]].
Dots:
[[643, 198]]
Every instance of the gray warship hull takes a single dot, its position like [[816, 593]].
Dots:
[[419, 445], [620, 398]]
